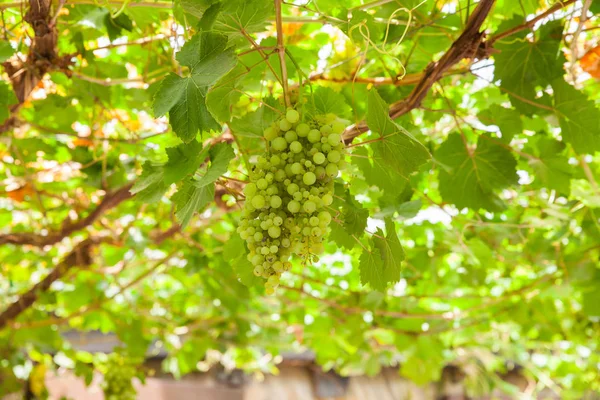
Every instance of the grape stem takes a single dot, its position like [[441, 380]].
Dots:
[[281, 52]]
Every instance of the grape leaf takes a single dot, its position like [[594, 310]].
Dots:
[[220, 156], [391, 251], [354, 217], [341, 237], [244, 16], [170, 91], [579, 118], [190, 198], [150, 186], [398, 151], [522, 65], [507, 120], [254, 123], [208, 58], [183, 160], [225, 93], [372, 269], [468, 177], [551, 167], [325, 100]]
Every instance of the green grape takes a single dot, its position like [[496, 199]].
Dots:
[[296, 147], [290, 187], [262, 184], [293, 206], [309, 178], [302, 130], [274, 231], [258, 201], [250, 189], [334, 156], [285, 125], [292, 115], [296, 169], [290, 136], [309, 206], [319, 158], [331, 170], [270, 134], [279, 144], [334, 139], [314, 136], [275, 201]]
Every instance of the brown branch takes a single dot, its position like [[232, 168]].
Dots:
[[109, 201], [529, 24], [79, 257], [468, 45]]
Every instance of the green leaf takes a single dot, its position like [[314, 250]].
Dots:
[[551, 166], [225, 93], [325, 100], [209, 17], [522, 65], [404, 210], [183, 160], [171, 90], [396, 153], [7, 98], [391, 252], [220, 156], [114, 26], [469, 176], [208, 58], [341, 237], [372, 269], [579, 118], [6, 51], [354, 217], [244, 15], [190, 199], [190, 115], [254, 123], [150, 187], [507, 120]]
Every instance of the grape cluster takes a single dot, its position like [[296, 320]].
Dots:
[[289, 194], [118, 377]]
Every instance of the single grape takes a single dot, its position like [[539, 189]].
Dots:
[[279, 144], [309, 178], [332, 170], [334, 139], [293, 206], [292, 116], [275, 201], [290, 136], [319, 158], [334, 156], [314, 136], [296, 147], [309, 206], [302, 130], [285, 125], [258, 201]]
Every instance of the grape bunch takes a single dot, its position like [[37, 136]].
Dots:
[[291, 188], [118, 376]]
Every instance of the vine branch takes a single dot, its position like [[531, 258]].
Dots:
[[281, 52]]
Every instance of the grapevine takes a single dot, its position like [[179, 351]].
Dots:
[[290, 193]]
